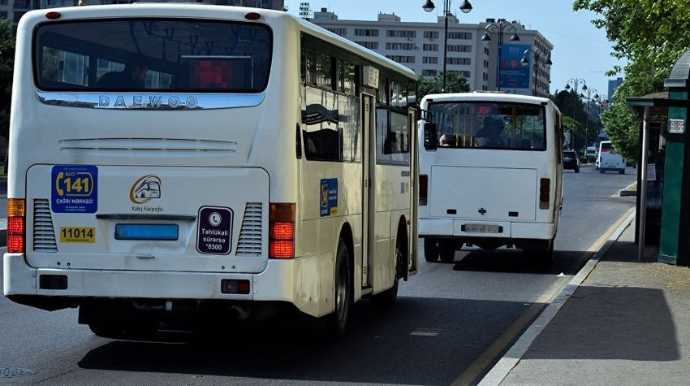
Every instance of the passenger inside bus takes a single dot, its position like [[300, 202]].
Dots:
[[132, 77], [492, 135]]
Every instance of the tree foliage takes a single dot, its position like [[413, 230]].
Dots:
[[651, 35], [454, 83], [7, 46]]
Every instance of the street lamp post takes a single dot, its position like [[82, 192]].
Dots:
[[575, 82], [500, 27], [588, 99], [428, 7], [537, 58]]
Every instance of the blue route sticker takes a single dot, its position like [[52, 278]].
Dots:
[[74, 189], [329, 197]]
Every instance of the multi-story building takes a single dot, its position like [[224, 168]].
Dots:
[[613, 85], [14, 9], [524, 65]]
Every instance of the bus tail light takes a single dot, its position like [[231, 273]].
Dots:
[[281, 244], [423, 188], [544, 193], [16, 226]]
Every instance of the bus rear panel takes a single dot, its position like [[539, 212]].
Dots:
[[491, 173]]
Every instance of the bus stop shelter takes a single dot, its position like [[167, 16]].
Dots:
[[664, 184]]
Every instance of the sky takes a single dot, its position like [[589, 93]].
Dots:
[[581, 51]]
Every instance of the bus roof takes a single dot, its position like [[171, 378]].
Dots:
[[210, 11]]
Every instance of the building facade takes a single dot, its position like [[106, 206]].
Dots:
[[524, 65]]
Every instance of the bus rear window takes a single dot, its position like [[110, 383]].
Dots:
[[154, 54], [492, 125]]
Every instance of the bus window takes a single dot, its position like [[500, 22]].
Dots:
[[183, 55], [482, 124]]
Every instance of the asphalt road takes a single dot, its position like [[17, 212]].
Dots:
[[452, 323]]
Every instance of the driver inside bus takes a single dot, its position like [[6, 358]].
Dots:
[[132, 77]]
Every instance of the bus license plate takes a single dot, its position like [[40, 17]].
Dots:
[[77, 235], [481, 228]]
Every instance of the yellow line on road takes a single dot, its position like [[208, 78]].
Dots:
[[475, 369]]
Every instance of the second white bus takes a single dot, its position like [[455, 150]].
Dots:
[[264, 165], [491, 173]]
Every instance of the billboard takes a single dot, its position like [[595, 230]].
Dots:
[[513, 75]]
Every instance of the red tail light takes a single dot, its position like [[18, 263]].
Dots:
[[281, 243], [423, 188], [16, 226], [544, 193]]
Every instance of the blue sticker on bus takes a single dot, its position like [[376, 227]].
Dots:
[[74, 189], [329, 197]]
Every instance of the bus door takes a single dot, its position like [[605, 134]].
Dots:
[[414, 192], [368, 183]]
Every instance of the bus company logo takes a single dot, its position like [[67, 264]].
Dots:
[[145, 189]]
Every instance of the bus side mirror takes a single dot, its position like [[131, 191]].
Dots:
[[430, 137]]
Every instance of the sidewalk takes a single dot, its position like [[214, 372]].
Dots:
[[623, 322]]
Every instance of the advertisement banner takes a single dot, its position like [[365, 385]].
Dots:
[[514, 76]]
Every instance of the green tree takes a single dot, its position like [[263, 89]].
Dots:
[[7, 46], [454, 83], [651, 35]]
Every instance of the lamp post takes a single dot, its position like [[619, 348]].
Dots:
[[575, 82], [537, 58], [589, 99], [429, 6], [500, 27]]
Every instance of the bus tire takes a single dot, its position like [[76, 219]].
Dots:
[[447, 252], [431, 250], [389, 297], [336, 322], [542, 253]]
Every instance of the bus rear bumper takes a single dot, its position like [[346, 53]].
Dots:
[[470, 229], [51, 289]]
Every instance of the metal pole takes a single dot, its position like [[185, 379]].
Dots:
[[642, 209], [446, 6], [498, 62]]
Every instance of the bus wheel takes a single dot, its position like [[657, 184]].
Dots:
[[447, 252], [431, 250], [388, 297], [336, 323], [543, 254]]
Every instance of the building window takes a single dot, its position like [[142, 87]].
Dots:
[[430, 60], [401, 58], [400, 46], [430, 47], [338, 31], [366, 32], [460, 35], [391, 33], [459, 61], [369, 45], [430, 34], [459, 48], [429, 72]]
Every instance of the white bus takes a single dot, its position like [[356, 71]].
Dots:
[[491, 173], [264, 165]]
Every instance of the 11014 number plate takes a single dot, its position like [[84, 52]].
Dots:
[[77, 235]]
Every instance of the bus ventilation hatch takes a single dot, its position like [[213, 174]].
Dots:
[[251, 231], [44, 232]]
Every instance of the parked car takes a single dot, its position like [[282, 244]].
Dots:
[[571, 160]]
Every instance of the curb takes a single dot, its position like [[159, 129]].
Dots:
[[513, 356]]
